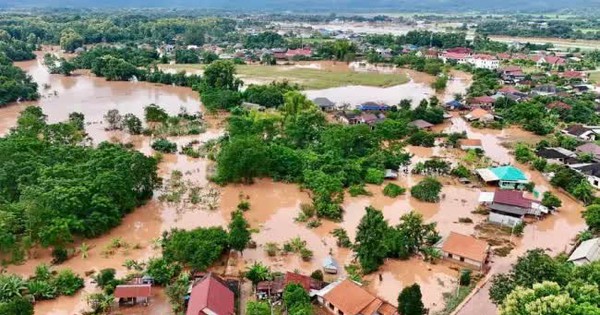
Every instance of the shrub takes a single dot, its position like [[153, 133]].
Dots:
[[59, 255], [518, 229], [465, 277], [244, 205], [427, 190], [272, 249], [342, 238], [551, 201], [162, 271], [356, 190], [461, 171], [317, 275], [67, 282], [164, 146], [393, 190], [374, 176]]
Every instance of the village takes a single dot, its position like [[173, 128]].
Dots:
[[460, 158]]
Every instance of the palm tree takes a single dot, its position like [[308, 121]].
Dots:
[[257, 273]]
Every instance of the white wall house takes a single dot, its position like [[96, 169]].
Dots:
[[484, 62]]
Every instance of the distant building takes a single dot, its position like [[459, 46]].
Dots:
[[479, 114], [484, 61], [470, 144], [589, 148], [557, 155], [273, 289], [587, 252], [485, 102], [421, 124], [590, 171], [324, 104]]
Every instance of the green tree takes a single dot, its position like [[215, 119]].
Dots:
[[162, 271], [295, 102], [295, 297], [258, 308], [239, 234], [592, 216], [221, 75], [257, 273], [550, 200], [198, 248], [427, 190], [370, 240], [409, 301], [70, 40], [132, 124], [241, 159]]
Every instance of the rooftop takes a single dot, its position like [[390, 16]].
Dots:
[[589, 250], [512, 198], [211, 293], [465, 246], [133, 290]]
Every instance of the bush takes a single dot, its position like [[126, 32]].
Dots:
[[317, 275], [393, 190], [342, 238], [465, 277], [162, 271], [427, 190], [356, 190], [164, 146], [375, 176], [105, 276], [518, 229], [461, 171], [59, 255], [551, 201], [67, 282]]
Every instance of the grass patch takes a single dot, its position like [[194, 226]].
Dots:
[[595, 77], [311, 79], [452, 299]]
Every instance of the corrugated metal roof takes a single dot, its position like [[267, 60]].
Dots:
[[589, 250]]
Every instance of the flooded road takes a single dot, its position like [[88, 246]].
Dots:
[[275, 205]]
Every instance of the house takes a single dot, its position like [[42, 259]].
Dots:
[[273, 289], [253, 106], [346, 297], [485, 102], [348, 118], [465, 249], [557, 155], [324, 104], [514, 200], [506, 177], [591, 172], [300, 52], [581, 132], [132, 294], [421, 124], [372, 106], [589, 148], [460, 58], [454, 105], [470, 144], [479, 114], [460, 50], [553, 61], [330, 265], [484, 61], [574, 75], [544, 90], [587, 252], [558, 105], [370, 118], [211, 296]]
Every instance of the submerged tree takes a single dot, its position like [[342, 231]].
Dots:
[[370, 240]]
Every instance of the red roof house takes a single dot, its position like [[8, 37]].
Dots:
[[512, 198], [460, 50], [298, 52], [558, 104], [302, 280], [573, 75], [211, 296]]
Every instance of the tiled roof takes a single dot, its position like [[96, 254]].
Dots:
[[349, 297], [133, 290], [512, 198], [465, 246], [211, 293]]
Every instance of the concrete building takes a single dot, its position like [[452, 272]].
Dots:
[[466, 250]]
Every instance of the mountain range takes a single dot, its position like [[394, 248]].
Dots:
[[330, 5]]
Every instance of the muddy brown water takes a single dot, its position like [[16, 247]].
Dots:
[[274, 205]]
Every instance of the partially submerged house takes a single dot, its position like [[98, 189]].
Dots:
[[273, 289], [587, 252], [479, 114], [581, 132], [132, 294], [211, 296], [470, 144], [324, 104], [421, 124], [509, 207], [485, 102], [372, 106], [506, 177], [589, 148], [346, 297], [544, 90], [455, 105], [465, 250], [590, 171], [557, 155]]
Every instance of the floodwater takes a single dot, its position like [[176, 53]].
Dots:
[[275, 205], [417, 89]]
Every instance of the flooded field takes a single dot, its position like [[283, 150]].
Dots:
[[274, 206]]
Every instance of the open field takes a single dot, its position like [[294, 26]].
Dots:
[[309, 78], [595, 77], [557, 42]]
